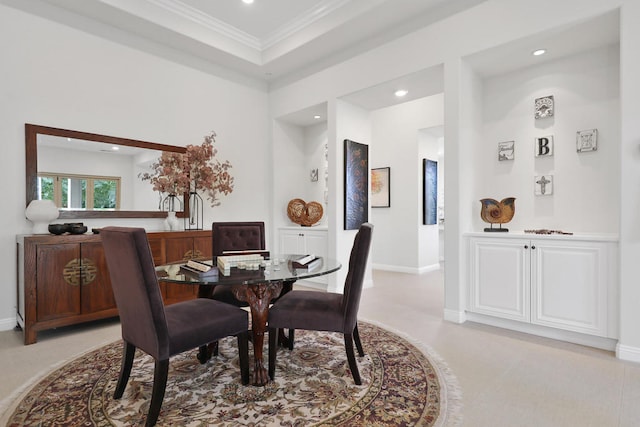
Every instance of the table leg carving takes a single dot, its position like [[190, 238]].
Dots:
[[258, 297]]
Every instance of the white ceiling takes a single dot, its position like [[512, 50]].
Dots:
[[272, 42], [269, 40]]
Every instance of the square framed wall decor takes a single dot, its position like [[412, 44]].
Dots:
[[505, 150], [543, 185], [587, 140]]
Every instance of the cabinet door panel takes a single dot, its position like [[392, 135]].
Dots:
[[291, 242], [316, 243], [202, 247], [179, 249], [96, 292], [58, 281], [157, 251], [566, 287], [500, 278]]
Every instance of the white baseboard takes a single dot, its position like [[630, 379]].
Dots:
[[403, 269], [625, 352], [603, 343], [455, 316], [8, 324]]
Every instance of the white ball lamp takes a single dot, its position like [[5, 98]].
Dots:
[[41, 213]]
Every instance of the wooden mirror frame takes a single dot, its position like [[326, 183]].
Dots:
[[31, 152]]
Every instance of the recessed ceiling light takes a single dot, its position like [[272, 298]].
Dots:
[[400, 93], [316, 117], [539, 52], [247, 1], [115, 148]]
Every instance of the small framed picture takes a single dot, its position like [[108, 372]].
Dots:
[[544, 107], [544, 185], [587, 140], [544, 146], [505, 150], [380, 188]]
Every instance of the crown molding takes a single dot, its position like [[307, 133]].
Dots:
[[302, 21], [195, 15]]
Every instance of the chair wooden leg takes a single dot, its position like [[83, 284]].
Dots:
[[351, 357], [273, 350], [160, 374], [291, 338], [356, 338], [243, 355], [205, 352], [128, 351]]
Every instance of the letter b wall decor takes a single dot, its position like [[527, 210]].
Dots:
[[544, 146]]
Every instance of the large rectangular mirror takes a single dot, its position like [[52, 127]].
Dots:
[[90, 175]]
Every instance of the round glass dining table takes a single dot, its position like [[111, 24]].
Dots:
[[257, 287]]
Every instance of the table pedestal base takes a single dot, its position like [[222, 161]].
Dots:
[[258, 297]]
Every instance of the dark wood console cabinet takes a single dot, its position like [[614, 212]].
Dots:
[[63, 280]]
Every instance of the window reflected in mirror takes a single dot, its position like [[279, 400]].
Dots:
[[80, 192]]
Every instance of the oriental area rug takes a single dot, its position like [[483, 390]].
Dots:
[[403, 384]]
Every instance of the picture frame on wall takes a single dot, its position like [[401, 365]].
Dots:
[[381, 187], [543, 185], [544, 107], [544, 146], [506, 150], [356, 184], [430, 192], [586, 140]]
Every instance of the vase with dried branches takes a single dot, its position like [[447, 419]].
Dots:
[[197, 171]]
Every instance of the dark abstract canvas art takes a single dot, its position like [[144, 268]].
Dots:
[[356, 184], [430, 193]]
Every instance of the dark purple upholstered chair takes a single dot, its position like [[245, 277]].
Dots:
[[233, 236], [320, 311], [157, 330]]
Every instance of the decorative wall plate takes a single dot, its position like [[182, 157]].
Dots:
[[544, 107], [587, 140], [505, 150], [544, 185]]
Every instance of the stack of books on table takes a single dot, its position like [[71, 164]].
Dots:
[[200, 269], [306, 262], [233, 258]]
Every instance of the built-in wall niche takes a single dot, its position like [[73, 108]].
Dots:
[[581, 71], [302, 144]]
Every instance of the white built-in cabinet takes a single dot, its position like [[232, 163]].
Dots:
[[554, 281], [305, 240]]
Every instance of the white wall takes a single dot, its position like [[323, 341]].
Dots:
[[299, 149], [586, 89], [429, 147], [490, 24], [402, 242], [315, 140], [629, 343], [56, 76], [353, 123], [289, 168]]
